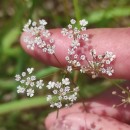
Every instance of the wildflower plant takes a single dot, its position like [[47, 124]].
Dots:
[[27, 82], [64, 93], [37, 34], [78, 59]]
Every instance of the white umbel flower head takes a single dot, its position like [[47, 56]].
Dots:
[[27, 82], [63, 92], [39, 36]]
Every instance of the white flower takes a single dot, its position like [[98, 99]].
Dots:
[[55, 91], [33, 78], [31, 46], [82, 57], [103, 70], [60, 97], [65, 97], [64, 31], [39, 84], [83, 69], [75, 56], [51, 40], [34, 23], [85, 37], [58, 84], [52, 104], [30, 70], [23, 74], [22, 81], [30, 92], [50, 85], [70, 36], [17, 77], [43, 22], [44, 49], [76, 89], [67, 89], [49, 97], [83, 22], [92, 52], [46, 33], [109, 71], [58, 104], [83, 28], [20, 89], [65, 81], [70, 26], [72, 97], [28, 81], [71, 51], [75, 43], [42, 44], [69, 68], [38, 41], [51, 49], [72, 21]]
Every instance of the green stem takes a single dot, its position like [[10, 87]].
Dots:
[[76, 10]]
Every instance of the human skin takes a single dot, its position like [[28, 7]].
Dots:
[[99, 114]]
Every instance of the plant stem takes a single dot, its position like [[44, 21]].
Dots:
[[76, 10], [57, 60], [57, 114]]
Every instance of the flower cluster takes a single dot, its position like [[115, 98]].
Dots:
[[124, 95], [63, 92], [78, 59], [27, 83], [36, 34], [99, 64], [74, 33]]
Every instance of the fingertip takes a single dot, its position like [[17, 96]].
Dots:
[[60, 49]]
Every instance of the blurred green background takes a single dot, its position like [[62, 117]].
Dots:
[[18, 111]]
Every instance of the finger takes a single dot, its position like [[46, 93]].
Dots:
[[100, 105], [86, 121], [114, 40]]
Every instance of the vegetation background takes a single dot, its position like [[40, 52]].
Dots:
[[19, 111]]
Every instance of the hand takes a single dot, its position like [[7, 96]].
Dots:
[[99, 114]]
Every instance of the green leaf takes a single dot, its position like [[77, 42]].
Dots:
[[7, 84], [10, 38], [99, 15], [22, 104], [46, 72]]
